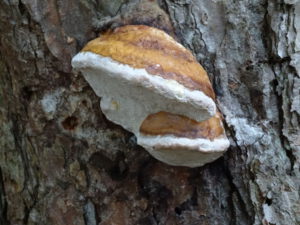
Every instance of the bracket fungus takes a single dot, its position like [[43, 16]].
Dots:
[[154, 87]]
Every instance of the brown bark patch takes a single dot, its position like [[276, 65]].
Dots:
[[70, 123]]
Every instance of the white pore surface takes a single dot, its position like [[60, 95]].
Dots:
[[186, 151], [129, 95]]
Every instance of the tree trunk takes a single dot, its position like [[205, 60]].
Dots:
[[63, 162]]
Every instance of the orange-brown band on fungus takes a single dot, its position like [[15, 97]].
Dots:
[[149, 48], [164, 123]]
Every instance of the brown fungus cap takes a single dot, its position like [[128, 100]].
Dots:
[[164, 123], [180, 141], [154, 87], [152, 49]]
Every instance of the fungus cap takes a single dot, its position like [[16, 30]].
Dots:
[[145, 67], [178, 140], [140, 71]]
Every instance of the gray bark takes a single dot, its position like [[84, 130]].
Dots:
[[62, 162]]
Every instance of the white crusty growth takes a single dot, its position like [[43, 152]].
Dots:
[[178, 151]]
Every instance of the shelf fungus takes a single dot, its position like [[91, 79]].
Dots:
[[154, 87]]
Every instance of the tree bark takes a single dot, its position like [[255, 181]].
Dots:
[[63, 162]]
